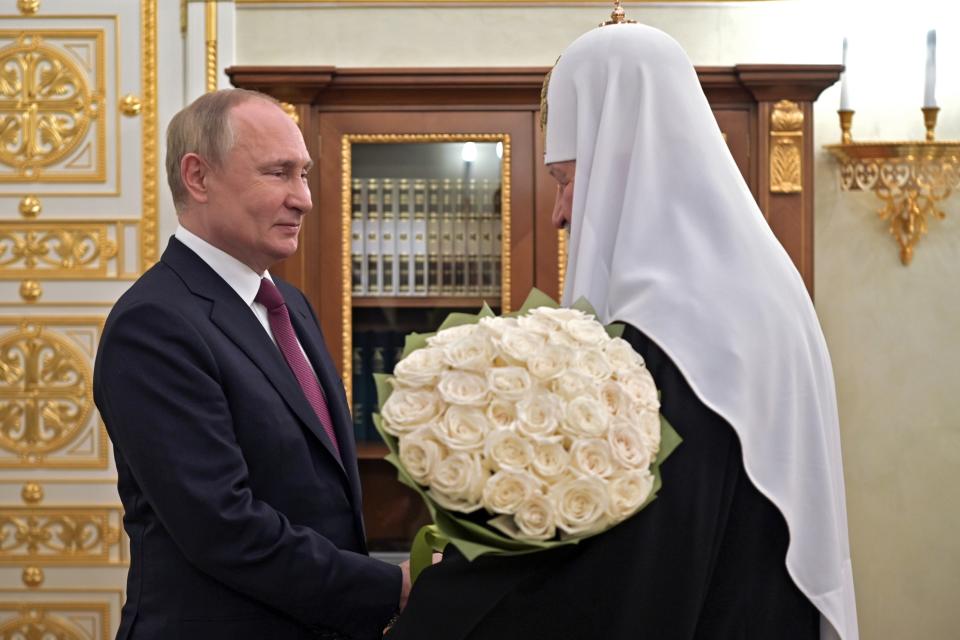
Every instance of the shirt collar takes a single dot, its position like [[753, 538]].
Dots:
[[241, 278]]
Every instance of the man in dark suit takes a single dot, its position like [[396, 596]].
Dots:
[[235, 456]]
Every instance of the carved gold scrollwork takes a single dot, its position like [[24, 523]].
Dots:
[[44, 392], [37, 624], [28, 7], [40, 250], [786, 145], [80, 535], [45, 105]]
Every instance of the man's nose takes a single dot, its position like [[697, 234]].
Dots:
[[299, 196]]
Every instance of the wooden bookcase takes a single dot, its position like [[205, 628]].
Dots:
[[764, 111]]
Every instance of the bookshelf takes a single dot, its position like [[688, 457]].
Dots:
[[387, 141]]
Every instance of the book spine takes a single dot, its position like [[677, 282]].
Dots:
[[433, 238], [359, 393], [486, 240], [419, 236], [404, 240], [446, 239], [357, 266], [388, 238], [459, 240], [473, 261], [374, 273]]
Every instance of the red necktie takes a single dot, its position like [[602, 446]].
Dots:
[[269, 296]]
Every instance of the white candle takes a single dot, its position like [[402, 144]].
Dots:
[[930, 86], [844, 89]]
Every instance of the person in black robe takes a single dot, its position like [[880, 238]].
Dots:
[[747, 537], [703, 561]]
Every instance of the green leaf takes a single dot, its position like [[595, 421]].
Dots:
[[582, 304], [535, 298], [415, 341], [615, 329], [457, 319], [486, 312], [669, 440], [384, 389]]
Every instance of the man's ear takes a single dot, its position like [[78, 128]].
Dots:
[[194, 172]]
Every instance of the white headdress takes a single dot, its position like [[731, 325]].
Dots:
[[667, 237]]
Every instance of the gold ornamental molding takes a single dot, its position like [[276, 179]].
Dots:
[[30, 291], [52, 249], [130, 105], [47, 108], [32, 577], [211, 44], [30, 207], [47, 418], [149, 240], [786, 147], [28, 7], [60, 535], [291, 110], [55, 621]]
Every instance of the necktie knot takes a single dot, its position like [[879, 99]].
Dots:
[[269, 296]]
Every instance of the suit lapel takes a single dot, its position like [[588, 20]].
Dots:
[[312, 341], [237, 321]]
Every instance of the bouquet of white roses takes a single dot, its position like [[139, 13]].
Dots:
[[546, 421]]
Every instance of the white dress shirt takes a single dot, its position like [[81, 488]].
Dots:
[[241, 278]]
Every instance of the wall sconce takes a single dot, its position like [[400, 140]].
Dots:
[[912, 178]]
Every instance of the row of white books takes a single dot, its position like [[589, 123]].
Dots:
[[419, 237]]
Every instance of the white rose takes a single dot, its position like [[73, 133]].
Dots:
[[536, 518], [447, 336], [585, 417], [538, 415], [550, 458], [539, 324], [592, 456], [628, 491], [549, 362], [581, 505], [647, 422], [586, 331], [614, 398], [457, 482], [474, 352], [408, 409], [641, 388], [420, 452], [496, 326], [511, 383], [501, 413], [518, 345], [421, 368], [572, 384], [622, 356], [506, 490], [461, 387], [463, 428], [559, 315], [593, 363], [561, 338], [629, 446], [506, 449]]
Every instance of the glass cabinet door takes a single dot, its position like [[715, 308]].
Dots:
[[428, 226]]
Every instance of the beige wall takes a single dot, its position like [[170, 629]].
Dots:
[[893, 331]]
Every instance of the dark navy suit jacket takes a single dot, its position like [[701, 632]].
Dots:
[[243, 523]]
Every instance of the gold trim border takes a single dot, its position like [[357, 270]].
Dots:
[[103, 608], [433, 3], [346, 173], [211, 42], [148, 59], [100, 559]]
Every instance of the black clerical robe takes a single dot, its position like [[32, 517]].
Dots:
[[705, 560]]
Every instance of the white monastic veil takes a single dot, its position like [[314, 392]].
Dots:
[[667, 237]]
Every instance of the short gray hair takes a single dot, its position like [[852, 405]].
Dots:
[[203, 128]]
